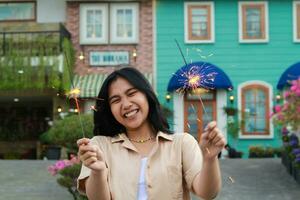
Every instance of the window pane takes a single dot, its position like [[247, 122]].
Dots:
[[98, 17], [124, 23], [120, 31], [17, 11], [199, 20], [98, 30], [192, 120], [255, 111], [128, 30], [89, 31], [208, 115], [94, 23], [89, 16], [128, 16], [253, 22]]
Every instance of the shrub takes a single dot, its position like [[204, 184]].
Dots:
[[67, 131]]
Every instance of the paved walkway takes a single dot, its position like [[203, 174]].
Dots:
[[254, 179]]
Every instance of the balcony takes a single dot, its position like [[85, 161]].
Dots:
[[32, 56]]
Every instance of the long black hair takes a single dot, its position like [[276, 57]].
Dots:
[[104, 121]]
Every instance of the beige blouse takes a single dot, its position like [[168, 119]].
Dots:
[[172, 165]]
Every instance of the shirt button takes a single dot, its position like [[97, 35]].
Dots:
[[149, 186]]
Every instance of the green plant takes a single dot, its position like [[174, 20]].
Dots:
[[33, 62], [167, 112], [231, 111], [261, 152], [67, 131]]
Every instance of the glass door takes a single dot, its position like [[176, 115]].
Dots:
[[198, 112]]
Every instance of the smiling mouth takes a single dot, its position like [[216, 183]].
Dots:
[[131, 113]]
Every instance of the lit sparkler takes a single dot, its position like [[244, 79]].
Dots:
[[74, 93]]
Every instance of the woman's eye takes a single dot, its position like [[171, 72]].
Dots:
[[132, 93], [114, 101]]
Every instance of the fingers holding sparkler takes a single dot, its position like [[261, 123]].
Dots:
[[212, 141]]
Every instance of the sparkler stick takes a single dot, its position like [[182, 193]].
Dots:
[[193, 82], [74, 94]]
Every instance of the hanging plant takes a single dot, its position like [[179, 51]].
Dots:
[[32, 62]]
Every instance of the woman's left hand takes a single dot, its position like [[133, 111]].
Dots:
[[212, 141]]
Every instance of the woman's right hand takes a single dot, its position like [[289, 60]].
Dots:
[[90, 155]]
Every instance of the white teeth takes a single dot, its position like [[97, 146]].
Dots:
[[131, 113]]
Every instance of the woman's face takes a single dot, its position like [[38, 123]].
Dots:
[[128, 105]]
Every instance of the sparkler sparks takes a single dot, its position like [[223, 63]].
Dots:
[[231, 179], [74, 93]]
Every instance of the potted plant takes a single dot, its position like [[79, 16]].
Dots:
[[296, 166], [67, 172], [230, 111], [65, 132], [255, 151]]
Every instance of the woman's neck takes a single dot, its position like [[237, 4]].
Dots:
[[141, 133]]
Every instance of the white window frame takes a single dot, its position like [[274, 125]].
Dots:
[[83, 17], [265, 4], [212, 22], [270, 88], [295, 22], [135, 23]]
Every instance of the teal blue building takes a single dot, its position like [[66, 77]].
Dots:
[[252, 42]]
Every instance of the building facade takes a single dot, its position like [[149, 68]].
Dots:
[[108, 35], [33, 72], [253, 42]]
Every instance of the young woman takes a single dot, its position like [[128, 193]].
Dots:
[[134, 156]]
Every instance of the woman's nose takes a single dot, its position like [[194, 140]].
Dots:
[[126, 103]]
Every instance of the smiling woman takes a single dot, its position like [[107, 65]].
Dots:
[[134, 155]]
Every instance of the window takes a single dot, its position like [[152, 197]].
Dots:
[[255, 106], [124, 23], [97, 27], [93, 23], [21, 11], [296, 20], [199, 22], [253, 22]]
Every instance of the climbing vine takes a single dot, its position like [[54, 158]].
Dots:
[[35, 62]]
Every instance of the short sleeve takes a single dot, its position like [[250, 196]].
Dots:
[[85, 171], [192, 159]]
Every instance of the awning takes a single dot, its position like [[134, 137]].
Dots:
[[199, 75], [90, 84], [290, 74]]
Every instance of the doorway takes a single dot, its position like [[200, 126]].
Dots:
[[195, 116]]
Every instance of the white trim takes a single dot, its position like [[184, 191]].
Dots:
[[295, 3], [154, 60], [178, 105], [270, 87], [212, 22], [221, 102], [82, 24], [265, 4], [135, 23]]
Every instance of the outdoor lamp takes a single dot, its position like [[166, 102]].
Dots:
[[168, 97], [59, 109], [278, 97], [81, 56], [134, 54], [231, 98]]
